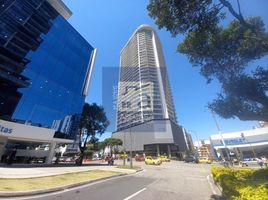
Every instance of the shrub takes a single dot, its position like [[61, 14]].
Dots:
[[244, 184]]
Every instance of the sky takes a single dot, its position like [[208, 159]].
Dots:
[[108, 24]]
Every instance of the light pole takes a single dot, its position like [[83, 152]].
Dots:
[[198, 142], [194, 132], [124, 157], [130, 154], [252, 149], [219, 131]]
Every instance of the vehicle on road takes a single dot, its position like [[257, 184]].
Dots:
[[139, 158], [164, 158], [204, 160], [123, 156], [190, 159], [249, 162], [149, 160]]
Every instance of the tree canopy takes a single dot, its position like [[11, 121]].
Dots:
[[227, 54], [111, 142], [93, 122]]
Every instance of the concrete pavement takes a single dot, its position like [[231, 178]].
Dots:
[[17, 171]]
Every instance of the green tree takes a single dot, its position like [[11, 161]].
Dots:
[[101, 146], [93, 122], [113, 142], [88, 153], [226, 54]]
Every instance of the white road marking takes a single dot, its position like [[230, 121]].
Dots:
[[135, 194], [211, 186]]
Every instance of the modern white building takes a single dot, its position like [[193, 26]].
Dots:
[[33, 144], [242, 144], [146, 117]]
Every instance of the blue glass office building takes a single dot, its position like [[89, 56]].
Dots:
[[45, 64]]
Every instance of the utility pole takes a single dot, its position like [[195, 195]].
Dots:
[[252, 149], [124, 157], [131, 164], [219, 131]]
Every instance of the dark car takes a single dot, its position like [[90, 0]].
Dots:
[[191, 159]]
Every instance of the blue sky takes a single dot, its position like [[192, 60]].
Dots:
[[107, 25]]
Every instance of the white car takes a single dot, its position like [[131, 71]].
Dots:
[[249, 162]]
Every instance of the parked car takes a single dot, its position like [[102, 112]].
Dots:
[[122, 156], [149, 160], [249, 162], [164, 158], [204, 160], [190, 159], [139, 158]]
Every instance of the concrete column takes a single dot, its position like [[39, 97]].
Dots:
[[51, 153], [237, 153], [169, 152], [3, 141], [158, 150]]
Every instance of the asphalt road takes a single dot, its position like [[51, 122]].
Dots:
[[175, 180]]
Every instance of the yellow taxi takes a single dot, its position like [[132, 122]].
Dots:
[[164, 158], [123, 155], [149, 160], [204, 160]]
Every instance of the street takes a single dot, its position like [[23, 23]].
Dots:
[[174, 180]]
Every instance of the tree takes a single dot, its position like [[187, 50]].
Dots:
[[112, 142], [93, 121], [226, 54], [101, 146]]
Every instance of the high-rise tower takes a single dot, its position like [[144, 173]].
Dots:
[[144, 94]]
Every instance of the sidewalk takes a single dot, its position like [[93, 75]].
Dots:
[[27, 171]]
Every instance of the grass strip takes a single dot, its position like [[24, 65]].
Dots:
[[26, 184], [128, 167]]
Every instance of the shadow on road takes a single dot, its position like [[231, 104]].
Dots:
[[217, 197]]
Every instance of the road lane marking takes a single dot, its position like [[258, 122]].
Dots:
[[135, 194]]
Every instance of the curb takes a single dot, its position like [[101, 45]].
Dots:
[[61, 188], [56, 189], [219, 187]]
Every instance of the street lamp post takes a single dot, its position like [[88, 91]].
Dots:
[[252, 149], [130, 154], [194, 132], [219, 131]]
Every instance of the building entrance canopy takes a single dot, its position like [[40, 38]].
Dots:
[[27, 136]]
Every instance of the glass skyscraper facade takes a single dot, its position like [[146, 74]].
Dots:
[[146, 116], [144, 89], [45, 64]]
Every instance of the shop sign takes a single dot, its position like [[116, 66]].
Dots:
[[4, 129], [235, 141]]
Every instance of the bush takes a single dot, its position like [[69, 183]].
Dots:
[[244, 184]]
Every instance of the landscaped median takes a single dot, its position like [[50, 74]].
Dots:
[[21, 185], [137, 168], [242, 184]]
